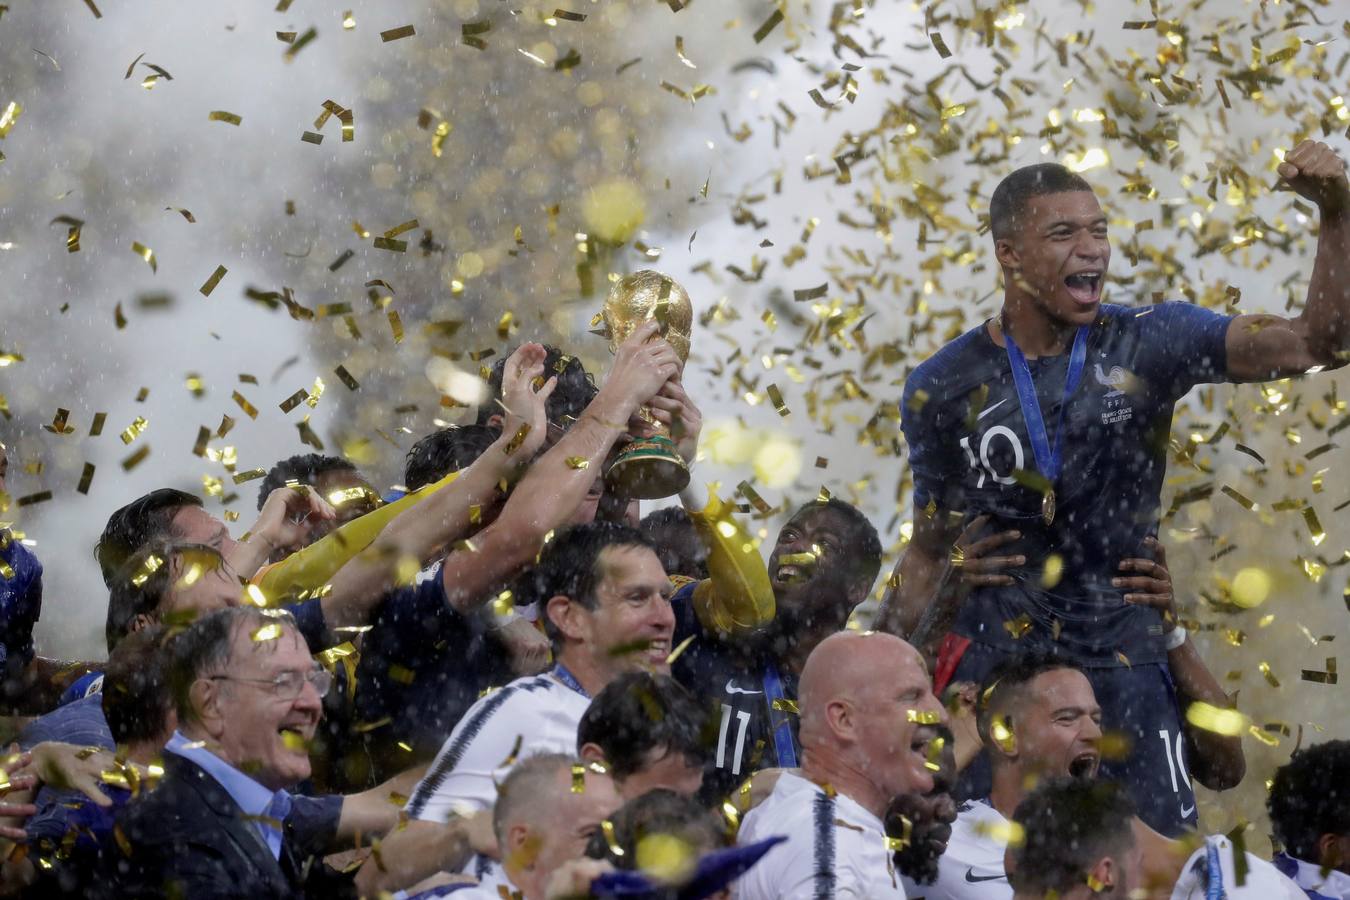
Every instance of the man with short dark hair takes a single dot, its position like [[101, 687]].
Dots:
[[648, 732], [248, 697], [1052, 419], [677, 541], [1038, 718], [606, 605], [1076, 842], [1309, 805], [822, 565], [869, 724], [335, 479]]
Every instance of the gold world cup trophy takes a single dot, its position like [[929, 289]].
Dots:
[[648, 468]]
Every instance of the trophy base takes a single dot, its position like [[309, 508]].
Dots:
[[647, 469]]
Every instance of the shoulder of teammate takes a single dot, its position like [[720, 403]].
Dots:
[[490, 733]]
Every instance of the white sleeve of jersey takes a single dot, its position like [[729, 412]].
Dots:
[[464, 776]]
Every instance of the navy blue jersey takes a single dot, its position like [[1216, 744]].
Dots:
[[20, 603], [731, 684], [423, 664], [968, 439]]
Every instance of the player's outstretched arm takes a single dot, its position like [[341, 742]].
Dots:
[[1262, 347]]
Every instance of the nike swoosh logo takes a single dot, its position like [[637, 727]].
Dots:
[[976, 879], [1186, 811], [732, 689], [990, 409]]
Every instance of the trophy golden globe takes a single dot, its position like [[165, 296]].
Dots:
[[648, 468]]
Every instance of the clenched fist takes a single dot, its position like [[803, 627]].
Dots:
[[1317, 173]]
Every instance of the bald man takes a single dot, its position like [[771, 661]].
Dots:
[[868, 726], [547, 810]]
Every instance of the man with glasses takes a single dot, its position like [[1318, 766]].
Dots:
[[249, 698]]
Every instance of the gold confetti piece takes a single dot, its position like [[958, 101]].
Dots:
[[86, 478], [607, 828], [1314, 526], [309, 137], [293, 400], [186, 214], [210, 284], [96, 428], [250, 475], [1264, 668], [768, 25], [346, 378], [348, 21], [31, 499], [248, 408], [814, 293], [1243, 448], [577, 462], [569, 16], [1326, 677], [776, 397], [134, 430], [679, 52], [136, 458], [299, 44], [338, 263], [939, 45], [9, 117], [783, 704], [578, 779], [203, 438], [384, 243], [395, 34], [146, 254], [923, 716], [1018, 627], [1223, 94], [346, 117], [119, 318], [1227, 722], [268, 632], [395, 326], [51, 59], [287, 37], [220, 115], [59, 425], [1238, 496], [97, 15]]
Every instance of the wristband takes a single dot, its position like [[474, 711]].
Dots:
[[1175, 638]]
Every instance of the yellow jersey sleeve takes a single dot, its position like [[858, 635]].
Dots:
[[314, 566], [737, 597]]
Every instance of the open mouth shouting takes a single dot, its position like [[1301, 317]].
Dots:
[[1086, 286], [1084, 765], [795, 568]]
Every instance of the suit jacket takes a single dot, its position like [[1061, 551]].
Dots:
[[188, 839]]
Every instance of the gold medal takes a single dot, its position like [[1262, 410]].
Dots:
[[1048, 507]]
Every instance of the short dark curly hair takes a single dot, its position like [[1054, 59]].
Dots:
[[1310, 797], [1069, 824], [445, 451], [576, 388], [303, 468], [639, 713]]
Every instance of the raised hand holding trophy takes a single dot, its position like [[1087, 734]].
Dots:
[[648, 467]]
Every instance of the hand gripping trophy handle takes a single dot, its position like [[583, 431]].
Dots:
[[648, 468]]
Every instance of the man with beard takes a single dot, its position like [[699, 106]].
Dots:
[[1039, 719], [822, 566], [868, 718]]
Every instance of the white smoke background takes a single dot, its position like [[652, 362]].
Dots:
[[797, 196]]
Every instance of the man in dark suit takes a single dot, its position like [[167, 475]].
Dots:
[[248, 696]]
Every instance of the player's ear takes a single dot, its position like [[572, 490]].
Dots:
[[840, 715], [591, 753], [1103, 876], [1006, 254], [566, 616]]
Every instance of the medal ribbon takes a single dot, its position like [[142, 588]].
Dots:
[[1047, 460], [568, 679], [782, 725]]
